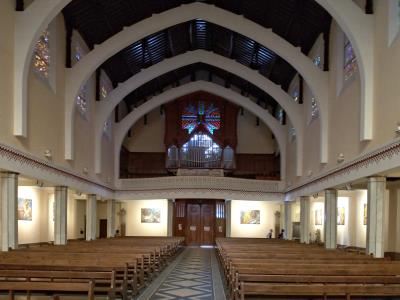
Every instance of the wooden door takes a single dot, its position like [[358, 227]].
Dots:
[[103, 229], [200, 221], [207, 224], [220, 227], [193, 232]]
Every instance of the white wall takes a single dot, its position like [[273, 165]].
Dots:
[[343, 231], [36, 230], [353, 232], [316, 205], [267, 218], [252, 138], [134, 227], [149, 137], [41, 228]]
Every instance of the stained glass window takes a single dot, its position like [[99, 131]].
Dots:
[[292, 134], [398, 12], [81, 98], [105, 85], [81, 101], [78, 53], [296, 93], [107, 128], [350, 61], [280, 115], [314, 109], [317, 60], [41, 55], [201, 115]]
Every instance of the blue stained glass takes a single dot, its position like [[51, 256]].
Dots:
[[209, 117]]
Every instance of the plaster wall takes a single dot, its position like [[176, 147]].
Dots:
[[267, 218], [134, 227], [41, 228]]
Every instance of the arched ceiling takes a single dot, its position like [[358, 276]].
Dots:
[[298, 21], [200, 71]]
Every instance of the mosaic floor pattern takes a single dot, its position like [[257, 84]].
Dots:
[[190, 279]]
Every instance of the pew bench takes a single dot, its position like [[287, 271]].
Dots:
[[55, 289]]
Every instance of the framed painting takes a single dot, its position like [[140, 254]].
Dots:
[[24, 209], [365, 217], [341, 216], [250, 217], [150, 215], [318, 217]]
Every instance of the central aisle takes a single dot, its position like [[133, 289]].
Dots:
[[193, 275]]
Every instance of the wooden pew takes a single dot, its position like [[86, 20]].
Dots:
[[279, 268], [54, 288], [119, 266]]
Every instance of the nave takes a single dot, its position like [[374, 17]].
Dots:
[[163, 268], [187, 149]]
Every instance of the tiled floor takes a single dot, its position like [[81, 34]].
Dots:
[[194, 276]]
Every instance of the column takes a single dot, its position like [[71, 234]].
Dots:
[[110, 218], [305, 219], [288, 220], [170, 221], [91, 217], [330, 218], [375, 213], [228, 214], [60, 215], [9, 205]]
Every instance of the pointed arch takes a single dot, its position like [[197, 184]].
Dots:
[[121, 128], [105, 107]]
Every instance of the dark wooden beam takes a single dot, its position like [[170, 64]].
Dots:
[[254, 56], [19, 5], [142, 44], [68, 44], [171, 49], [116, 113], [284, 118], [191, 34], [326, 36], [231, 45], [97, 84], [301, 89], [369, 7]]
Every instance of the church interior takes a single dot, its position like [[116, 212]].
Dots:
[[207, 149]]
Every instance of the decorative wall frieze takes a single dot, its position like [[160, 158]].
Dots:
[[15, 160], [378, 161], [200, 182], [206, 187], [382, 159]]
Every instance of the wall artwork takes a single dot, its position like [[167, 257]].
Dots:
[[341, 216], [318, 217], [150, 215], [250, 217], [365, 219], [24, 209]]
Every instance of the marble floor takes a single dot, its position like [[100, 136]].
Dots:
[[193, 275]]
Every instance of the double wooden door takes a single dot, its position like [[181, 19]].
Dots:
[[200, 221]]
